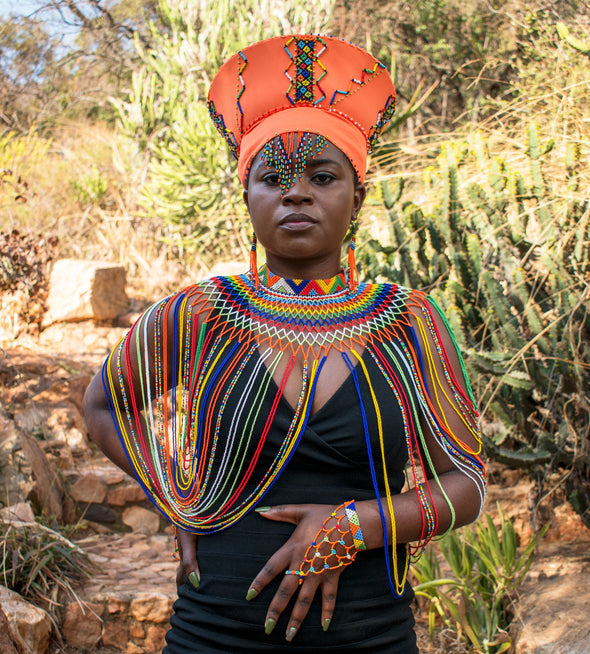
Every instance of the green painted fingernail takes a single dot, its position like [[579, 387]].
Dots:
[[326, 624], [251, 594], [262, 509], [194, 579], [269, 625], [291, 633]]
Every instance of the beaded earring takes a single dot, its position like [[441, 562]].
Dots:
[[353, 275], [254, 262]]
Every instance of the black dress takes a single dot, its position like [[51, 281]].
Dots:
[[329, 466]]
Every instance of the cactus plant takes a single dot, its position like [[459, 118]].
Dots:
[[509, 261]]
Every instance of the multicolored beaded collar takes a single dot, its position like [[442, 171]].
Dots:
[[186, 387], [302, 287]]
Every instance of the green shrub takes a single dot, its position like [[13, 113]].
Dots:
[[475, 600]]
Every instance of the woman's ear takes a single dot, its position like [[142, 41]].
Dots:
[[360, 192], [246, 201]]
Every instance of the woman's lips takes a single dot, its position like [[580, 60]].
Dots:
[[297, 221]]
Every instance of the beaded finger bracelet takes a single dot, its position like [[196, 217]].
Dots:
[[335, 545]]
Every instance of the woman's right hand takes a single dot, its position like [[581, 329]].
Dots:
[[308, 519], [187, 544]]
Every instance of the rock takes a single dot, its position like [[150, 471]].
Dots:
[[82, 626], [16, 476], [142, 520], [151, 607], [60, 424], [136, 631], [115, 634], [155, 639], [64, 426], [89, 488], [31, 418], [566, 526], [6, 643], [48, 487], [126, 494], [117, 605], [30, 626], [85, 290], [76, 440], [21, 512], [99, 513]]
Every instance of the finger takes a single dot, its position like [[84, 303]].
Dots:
[[277, 564], [300, 610], [179, 576], [329, 593], [187, 543], [291, 513], [281, 599]]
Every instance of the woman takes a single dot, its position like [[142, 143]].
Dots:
[[274, 413]]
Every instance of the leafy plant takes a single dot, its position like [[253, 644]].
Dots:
[[505, 250], [486, 569], [91, 188], [20, 155]]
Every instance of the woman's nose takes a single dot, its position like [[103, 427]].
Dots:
[[299, 192]]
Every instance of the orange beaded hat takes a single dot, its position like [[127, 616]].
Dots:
[[297, 85]]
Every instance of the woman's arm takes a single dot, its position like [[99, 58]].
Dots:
[[101, 427]]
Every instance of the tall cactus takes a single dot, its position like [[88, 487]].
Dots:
[[509, 261]]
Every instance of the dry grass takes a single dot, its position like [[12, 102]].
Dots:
[[81, 187], [40, 564]]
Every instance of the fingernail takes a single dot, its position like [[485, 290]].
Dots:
[[269, 625], [262, 509], [251, 594], [291, 633], [326, 624], [193, 577]]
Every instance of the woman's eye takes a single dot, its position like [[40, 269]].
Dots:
[[271, 179], [323, 178]]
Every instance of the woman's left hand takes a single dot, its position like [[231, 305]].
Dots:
[[309, 519], [188, 565]]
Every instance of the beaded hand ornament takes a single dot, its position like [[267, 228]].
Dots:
[[335, 545]]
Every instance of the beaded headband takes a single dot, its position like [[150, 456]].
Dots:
[[296, 85]]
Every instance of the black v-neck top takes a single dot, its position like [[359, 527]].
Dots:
[[329, 466]]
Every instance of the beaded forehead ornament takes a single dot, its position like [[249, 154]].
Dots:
[[296, 85]]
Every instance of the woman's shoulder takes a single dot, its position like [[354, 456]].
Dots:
[[395, 291]]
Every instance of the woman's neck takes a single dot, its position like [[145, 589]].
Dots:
[[302, 269]]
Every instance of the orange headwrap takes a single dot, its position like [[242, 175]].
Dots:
[[302, 83]]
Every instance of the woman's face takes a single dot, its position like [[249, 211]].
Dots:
[[302, 230]]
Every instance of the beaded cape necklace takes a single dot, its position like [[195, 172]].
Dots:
[[194, 439]]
